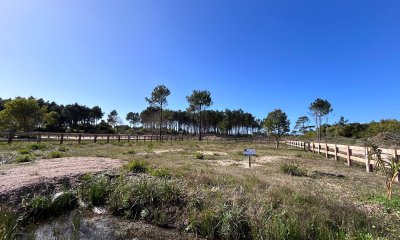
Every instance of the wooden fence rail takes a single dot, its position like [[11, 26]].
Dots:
[[350, 153], [79, 137]]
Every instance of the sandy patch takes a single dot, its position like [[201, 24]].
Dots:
[[167, 150], [22, 175], [255, 161], [211, 153]]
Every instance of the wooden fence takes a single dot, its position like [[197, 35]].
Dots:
[[350, 153], [79, 137]]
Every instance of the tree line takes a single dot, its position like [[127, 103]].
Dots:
[[30, 114]]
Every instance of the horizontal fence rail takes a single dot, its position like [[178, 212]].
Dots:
[[350, 153], [80, 137]]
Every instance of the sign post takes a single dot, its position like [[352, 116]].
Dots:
[[249, 152]]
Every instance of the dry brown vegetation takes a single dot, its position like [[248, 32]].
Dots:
[[330, 200]]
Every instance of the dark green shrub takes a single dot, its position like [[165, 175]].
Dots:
[[222, 221], [24, 151], [95, 192], [161, 172], [199, 155], [63, 202], [37, 146], [293, 169], [154, 200], [130, 152], [24, 158], [137, 166], [55, 154]]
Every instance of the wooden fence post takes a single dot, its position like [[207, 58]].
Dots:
[[39, 137], [129, 137], [319, 148], [313, 147], [79, 138], [368, 165], [336, 153], [108, 138], [137, 138], [327, 150], [349, 162], [62, 139], [119, 137], [95, 139], [396, 156], [10, 138]]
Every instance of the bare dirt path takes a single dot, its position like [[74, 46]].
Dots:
[[14, 177]]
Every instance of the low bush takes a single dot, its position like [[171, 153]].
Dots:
[[293, 169], [37, 146], [62, 149], [223, 221], [95, 191], [137, 166], [155, 200], [24, 158], [199, 155], [161, 172], [55, 154], [130, 152], [24, 151], [40, 207]]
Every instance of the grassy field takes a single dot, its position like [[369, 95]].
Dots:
[[207, 189]]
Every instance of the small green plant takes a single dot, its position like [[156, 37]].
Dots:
[[55, 154], [24, 158], [130, 152], [161, 172], [24, 151], [62, 149], [63, 202], [390, 168], [37, 146], [293, 169], [38, 207], [199, 155], [137, 166], [8, 223], [95, 192]]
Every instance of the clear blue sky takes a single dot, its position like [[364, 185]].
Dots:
[[254, 55]]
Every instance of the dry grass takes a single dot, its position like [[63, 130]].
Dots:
[[222, 175]]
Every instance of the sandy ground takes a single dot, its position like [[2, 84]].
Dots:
[[255, 161], [13, 177]]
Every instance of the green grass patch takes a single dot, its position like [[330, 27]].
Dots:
[[24, 151], [389, 204], [95, 191], [37, 146], [199, 155], [24, 158], [293, 169], [8, 223], [55, 154], [137, 166]]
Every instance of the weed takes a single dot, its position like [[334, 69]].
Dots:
[[161, 172], [199, 155], [62, 149], [95, 192], [23, 158], [37, 146], [24, 151], [389, 204], [130, 152], [293, 169], [55, 154], [137, 166], [8, 223]]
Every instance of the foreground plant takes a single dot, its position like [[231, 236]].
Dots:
[[390, 167]]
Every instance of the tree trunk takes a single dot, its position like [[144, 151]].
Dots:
[[160, 121], [200, 126]]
